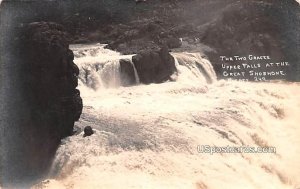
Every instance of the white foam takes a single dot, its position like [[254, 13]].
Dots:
[[146, 136]]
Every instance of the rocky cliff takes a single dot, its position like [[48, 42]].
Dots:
[[49, 101], [52, 76]]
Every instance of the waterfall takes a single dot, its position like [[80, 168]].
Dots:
[[136, 76], [100, 67], [195, 67]]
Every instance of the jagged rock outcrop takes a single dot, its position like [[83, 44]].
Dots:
[[53, 75], [154, 66], [50, 102]]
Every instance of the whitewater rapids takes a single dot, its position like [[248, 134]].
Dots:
[[146, 136]]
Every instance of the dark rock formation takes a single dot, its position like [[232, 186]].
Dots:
[[52, 75], [154, 66], [48, 102], [88, 131], [127, 73]]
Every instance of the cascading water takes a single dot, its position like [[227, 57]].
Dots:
[[99, 67], [196, 68], [146, 136]]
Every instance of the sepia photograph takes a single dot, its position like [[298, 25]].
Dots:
[[149, 94]]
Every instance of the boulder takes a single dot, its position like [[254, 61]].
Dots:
[[88, 131], [154, 66]]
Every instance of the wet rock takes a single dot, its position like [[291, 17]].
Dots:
[[78, 105], [47, 80], [53, 76], [154, 66], [88, 131]]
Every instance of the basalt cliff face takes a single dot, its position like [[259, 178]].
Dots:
[[49, 102], [52, 77]]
